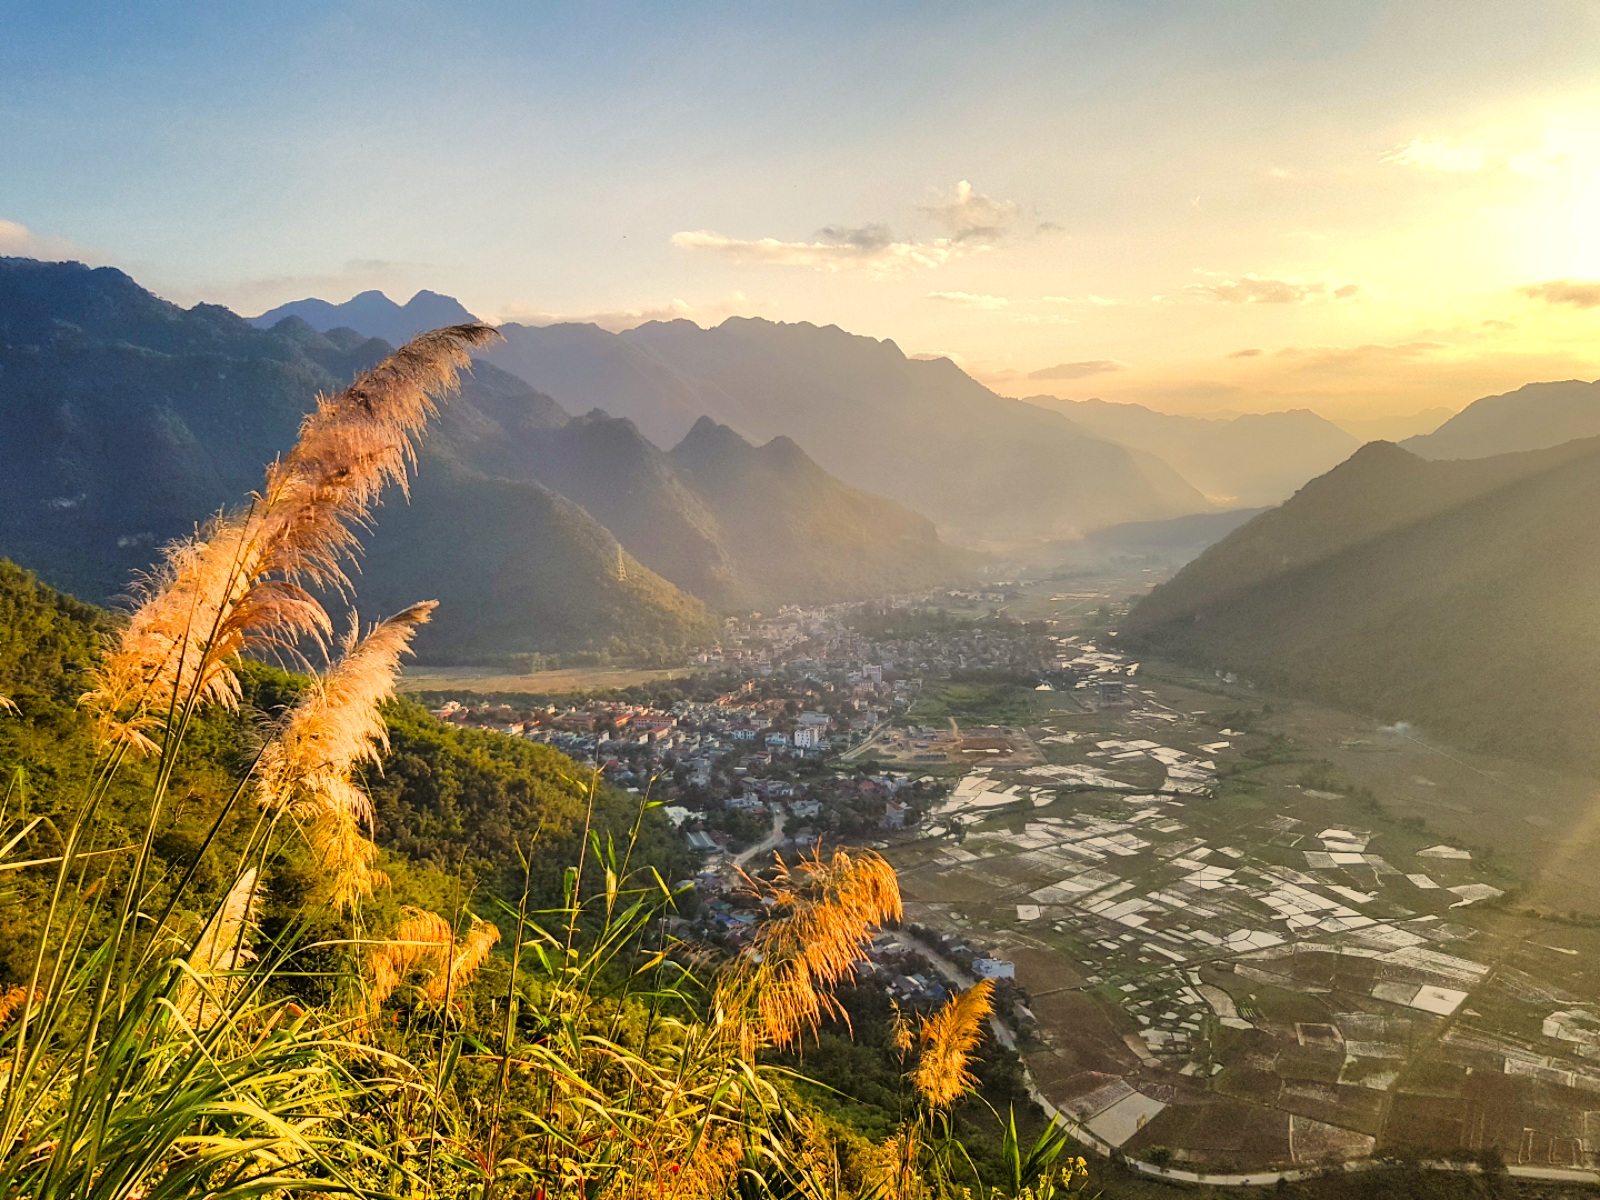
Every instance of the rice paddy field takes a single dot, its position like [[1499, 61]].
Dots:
[[1255, 934]]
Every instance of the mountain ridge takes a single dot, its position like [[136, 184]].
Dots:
[[1454, 594], [372, 313], [919, 432], [1248, 460], [1533, 417], [124, 417]]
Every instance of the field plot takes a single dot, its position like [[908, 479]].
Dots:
[[1232, 961]]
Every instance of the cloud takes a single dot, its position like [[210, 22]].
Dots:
[[970, 216], [1373, 356], [1252, 353], [870, 247], [1077, 370], [1265, 289], [972, 222], [971, 300], [1579, 293], [1453, 157], [18, 241]]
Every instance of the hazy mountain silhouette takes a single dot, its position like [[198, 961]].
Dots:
[[735, 524], [1530, 418], [124, 420], [920, 432], [1459, 595], [1250, 460], [373, 314]]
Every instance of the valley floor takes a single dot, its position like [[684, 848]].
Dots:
[[1257, 934]]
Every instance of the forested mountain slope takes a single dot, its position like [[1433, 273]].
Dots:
[[1530, 418], [1461, 596]]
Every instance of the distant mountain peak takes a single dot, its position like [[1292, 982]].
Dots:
[[373, 314]]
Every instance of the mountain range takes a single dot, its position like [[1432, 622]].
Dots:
[[1245, 461], [373, 314], [125, 419], [984, 468], [1455, 594], [1530, 418]]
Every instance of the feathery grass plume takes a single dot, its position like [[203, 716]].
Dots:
[[825, 913], [421, 936], [470, 953], [306, 769], [240, 581], [342, 848], [224, 944], [900, 1036], [223, 947], [949, 1037], [12, 999]]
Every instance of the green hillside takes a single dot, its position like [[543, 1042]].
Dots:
[[519, 570], [1460, 596]]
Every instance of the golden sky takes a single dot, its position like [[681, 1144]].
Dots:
[[1369, 207]]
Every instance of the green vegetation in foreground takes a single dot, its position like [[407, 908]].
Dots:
[[214, 992]]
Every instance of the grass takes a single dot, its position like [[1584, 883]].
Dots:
[[172, 1043]]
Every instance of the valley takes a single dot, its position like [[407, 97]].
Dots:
[[1238, 933], [1251, 933]]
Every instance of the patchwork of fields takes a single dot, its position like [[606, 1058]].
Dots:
[[1236, 955]]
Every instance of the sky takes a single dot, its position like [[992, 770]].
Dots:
[[1362, 208]]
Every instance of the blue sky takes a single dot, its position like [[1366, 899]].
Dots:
[[1150, 188]]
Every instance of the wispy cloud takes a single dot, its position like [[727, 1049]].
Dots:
[[1253, 352], [1373, 356], [1078, 370], [1089, 301], [971, 300], [1452, 157], [833, 249], [18, 241], [1267, 289], [970, 222], [970, 216], [1579, 293]]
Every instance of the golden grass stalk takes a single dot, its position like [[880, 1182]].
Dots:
[[306, 770], [420, 936], [470, 953], [949, 1038], [223, 946], [825, 912], [7, 705], [900, 1036], [241, 580], [425, 940], [12, 999]]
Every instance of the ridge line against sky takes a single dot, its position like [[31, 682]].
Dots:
[[1360, 208]]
